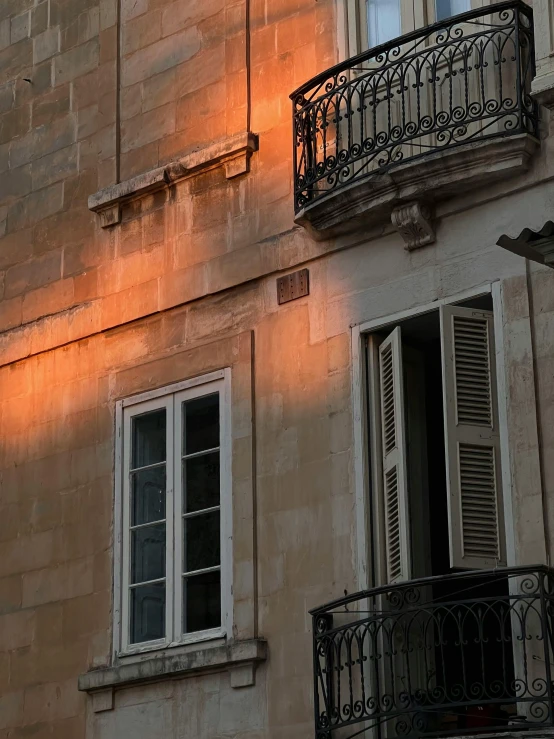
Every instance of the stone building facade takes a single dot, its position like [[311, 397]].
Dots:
[[148, 205]]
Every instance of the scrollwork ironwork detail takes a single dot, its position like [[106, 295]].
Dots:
[[468, 651], [462, 80]]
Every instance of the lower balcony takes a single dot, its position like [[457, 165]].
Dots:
[[467, 653], [434, 113]]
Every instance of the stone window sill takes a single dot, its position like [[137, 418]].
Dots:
[[240, 659], [232, 153]]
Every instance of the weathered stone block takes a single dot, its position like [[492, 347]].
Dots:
[[51, 105], [43, 140], [54, 167], [11, 710], [4, 33], [6, 97], [162, 55], [33, 274], [47, 300], [196, 106], [16, 184], [15, 59], [14, 123], [84, 28], [160, 89], [51, 702], [10, 594], [39, 18], [148, 127], [202, 70], [35, 207], [59, 583], [46, 45], [142, 31], [108, 14], [133, 8], [76, 62], [20, 27]]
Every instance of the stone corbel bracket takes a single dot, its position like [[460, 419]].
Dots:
[[413, 223], [232, 153], [240, 659]]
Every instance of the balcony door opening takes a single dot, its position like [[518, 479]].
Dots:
[[435, 445], [436, 513]]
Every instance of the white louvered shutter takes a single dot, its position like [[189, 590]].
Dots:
[[395, 490], [476, 526]]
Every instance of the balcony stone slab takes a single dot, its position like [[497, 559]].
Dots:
[[436, 177]]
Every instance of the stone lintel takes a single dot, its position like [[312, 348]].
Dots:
[[233, 153], [239, 658], [436, 177]]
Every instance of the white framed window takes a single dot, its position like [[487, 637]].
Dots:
[[370, 23], [173, 513]]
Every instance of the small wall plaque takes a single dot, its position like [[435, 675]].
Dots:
[[293, 286]]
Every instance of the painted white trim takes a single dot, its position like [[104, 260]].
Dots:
[[175, 388], [226, 502], [117, 530], [502, 404], [125, 494], [361, 461], [170, 398]]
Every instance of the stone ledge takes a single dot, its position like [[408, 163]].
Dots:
[[239, 658], [542, 89], [233, 153], [436, 177]]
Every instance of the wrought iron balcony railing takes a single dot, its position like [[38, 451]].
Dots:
[[461, 80], [464, 653]]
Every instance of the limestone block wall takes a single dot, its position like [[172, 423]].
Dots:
[[90, 315]]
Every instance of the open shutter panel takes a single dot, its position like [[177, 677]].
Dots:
[[395, 492], [471, 439]]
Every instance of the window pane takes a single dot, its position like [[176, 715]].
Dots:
[[148, 553], [147, 613], [148, 439], [148, 495], [201, 541], [383, 21], [201, 424], [448, 8], [202, 602], [201, 482]]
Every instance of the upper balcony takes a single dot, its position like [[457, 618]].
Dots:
[[458, 654], [428, 115]]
